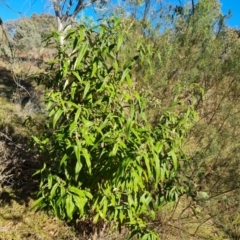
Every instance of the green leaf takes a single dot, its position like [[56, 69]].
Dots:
[[37, 203], [94, 70], [105, 207], [120, 40], [132, 111], [114, 150], [80, 203], [121, 216], [76, 74], [64, 158], [76, 191], [174, 158], [62, 191], [81, 54], [87, 158], [82, 33], [95, 219], [50, 181], [77, 114], [69, 206], [73, 90], [158, 147], [77, 150], [125, 73], [162, 173], [146, 160], [73, 128], [53, 190], [65, 69], [86, 89], [78, 168], [115, 64], [57, 115]]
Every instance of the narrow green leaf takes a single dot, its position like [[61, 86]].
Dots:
[[157, 167], [65, 68], [95, 219], [129, 81], [87, 158], [158, 147], [174, 158], [50, 181], [162, 173], [120, 40], [125, 73], [82, 33], [132, 111], [57, 116], [146, 160], [115, 64], [76, 74], [80, 203], [64, 158], [78, 168], [72, 104], [73, 90], [121, 216], [37, 203], [69, 206], [81, 54], [94, 70], [53, 190], [76, 191], [86, 89], [77, 114], [62, 191], [114, 150], [101, 215], [77, 149], [73, 128], [105, 207]]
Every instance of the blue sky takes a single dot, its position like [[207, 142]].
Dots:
[[25, 8]]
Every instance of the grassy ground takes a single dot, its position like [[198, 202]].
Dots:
[[17, 221]]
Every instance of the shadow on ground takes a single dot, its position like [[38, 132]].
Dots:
[[17, 163], [10, 83]]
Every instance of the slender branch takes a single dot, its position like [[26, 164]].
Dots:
[[80, 6], [10, 7], [193, 7], [57, 8], [69, 7], [222, 193]]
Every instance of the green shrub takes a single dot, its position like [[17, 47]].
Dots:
[[103, 160]]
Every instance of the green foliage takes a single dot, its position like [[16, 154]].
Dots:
[[28, 33], [199, 50], [103, 159]]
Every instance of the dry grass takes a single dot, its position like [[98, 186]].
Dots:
[[18, 222]]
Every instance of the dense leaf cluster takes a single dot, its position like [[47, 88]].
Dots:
[[103, 158]]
